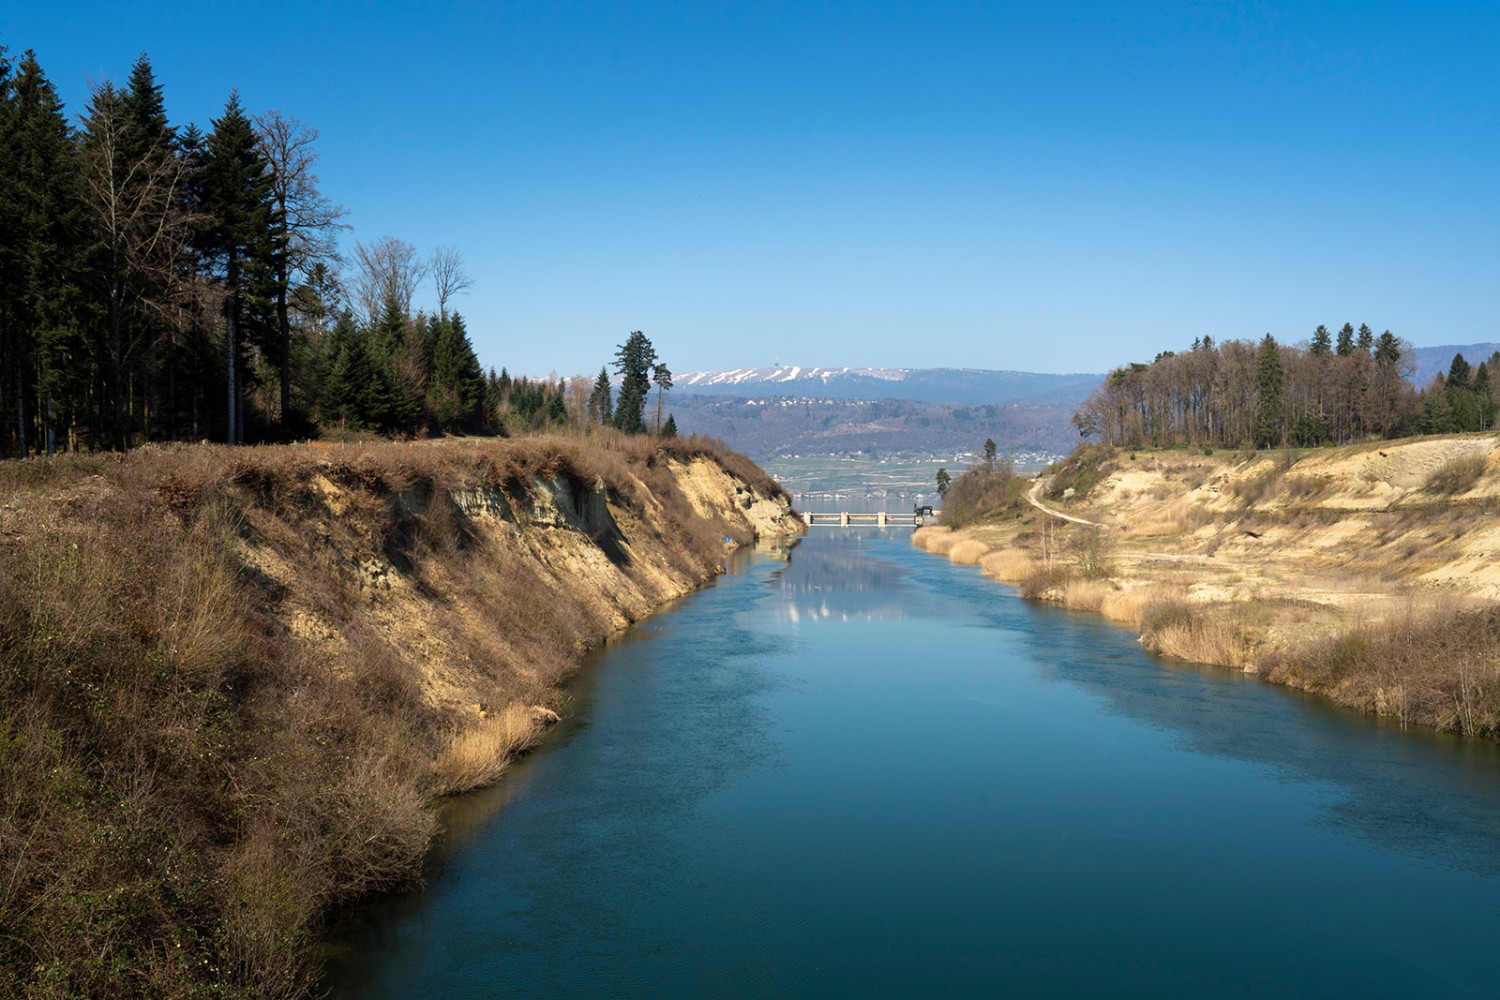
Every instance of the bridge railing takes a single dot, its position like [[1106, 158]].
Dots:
[[878, 518]]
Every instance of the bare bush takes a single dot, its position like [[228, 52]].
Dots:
[[1457, 474]]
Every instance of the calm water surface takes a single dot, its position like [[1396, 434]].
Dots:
[[869, 772]]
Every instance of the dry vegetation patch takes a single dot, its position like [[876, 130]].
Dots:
[[1361, 572], [232, 681]]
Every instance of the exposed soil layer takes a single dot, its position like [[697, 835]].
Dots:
[[1366, 573], [233, 682]]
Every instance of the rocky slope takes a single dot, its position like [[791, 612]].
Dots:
[[235, 680], [1366, 573]]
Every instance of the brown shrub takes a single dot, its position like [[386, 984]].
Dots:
[[1457, 474], [189, 782]]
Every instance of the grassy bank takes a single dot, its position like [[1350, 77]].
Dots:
[[1365, 574], [233, 681]]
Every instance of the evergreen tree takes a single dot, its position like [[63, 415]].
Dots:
[[601, 407], [1346, 341], [1388, 391], [38, 247], [669, 429], [456, 391], [1366, 341], [662, 376], [303, 228], [1484, 402], [1269, 385], [1437, 408], [634, 361], [1459, 373], [1322, 341], [235, 192]]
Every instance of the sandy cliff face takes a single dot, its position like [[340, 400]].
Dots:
[[1268, 562], [236, 679]]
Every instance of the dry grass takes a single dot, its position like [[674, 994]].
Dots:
[[1435, 664], [192, 779], [1086, 595], [1128, 606], [1196, 632], [1458, 474], [477, 755], [938, 540], [968, 552], [1008, 565]]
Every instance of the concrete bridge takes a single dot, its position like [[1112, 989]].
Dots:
[[880, 519]]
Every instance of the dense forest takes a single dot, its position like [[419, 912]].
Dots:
[[166, 284], [1332, 390]]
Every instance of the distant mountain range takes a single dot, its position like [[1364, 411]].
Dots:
[[1437, 360], [931, 385], [785, 410]]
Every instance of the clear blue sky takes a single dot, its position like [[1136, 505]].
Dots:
[[1036, 186]]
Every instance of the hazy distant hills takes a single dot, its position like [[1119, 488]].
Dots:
[[792, 410], [1437, 360], [932, 385], [785, 410]]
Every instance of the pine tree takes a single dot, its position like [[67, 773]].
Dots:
[[1485, 405], [1322, 341], [1366, 341], [634, 361], [601, 407], [303, 229], [1346, 341], [669, 429], [235, 193], [1269, 385], [38, 248], [455, 393], [662, 376]]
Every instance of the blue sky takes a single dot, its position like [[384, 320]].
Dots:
[[1026, 186]]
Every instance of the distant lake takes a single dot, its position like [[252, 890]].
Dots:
[[868, 772]]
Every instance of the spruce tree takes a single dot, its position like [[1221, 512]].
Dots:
[[235, 193], [1322, 341], [1269, 384], [1346, 341], [669, 429], [455, 393], [634, 361], [39, 275], [601, 406]]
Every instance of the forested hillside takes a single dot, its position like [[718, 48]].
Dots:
[[1335, 390], [162, 284]]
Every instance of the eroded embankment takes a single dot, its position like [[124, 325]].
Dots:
[[235, 680], [1367, 574]]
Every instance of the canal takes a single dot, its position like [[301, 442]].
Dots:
[[864, 771]]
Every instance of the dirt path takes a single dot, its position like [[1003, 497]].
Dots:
[[1031, 498]]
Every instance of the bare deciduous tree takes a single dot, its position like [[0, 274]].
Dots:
[[136, 209], [388, 269], [305, 222], [448, 276]]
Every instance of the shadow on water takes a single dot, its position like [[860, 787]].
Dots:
[[1415, 791]]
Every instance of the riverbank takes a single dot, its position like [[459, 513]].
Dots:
[[1366, 574], [236, 680]]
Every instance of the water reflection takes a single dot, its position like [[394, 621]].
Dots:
[[956, 793], [837, 578]]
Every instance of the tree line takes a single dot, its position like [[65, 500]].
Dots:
[[162, 284], [1333, 389]]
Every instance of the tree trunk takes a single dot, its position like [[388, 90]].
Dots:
[[284, 327], [21, 411]]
